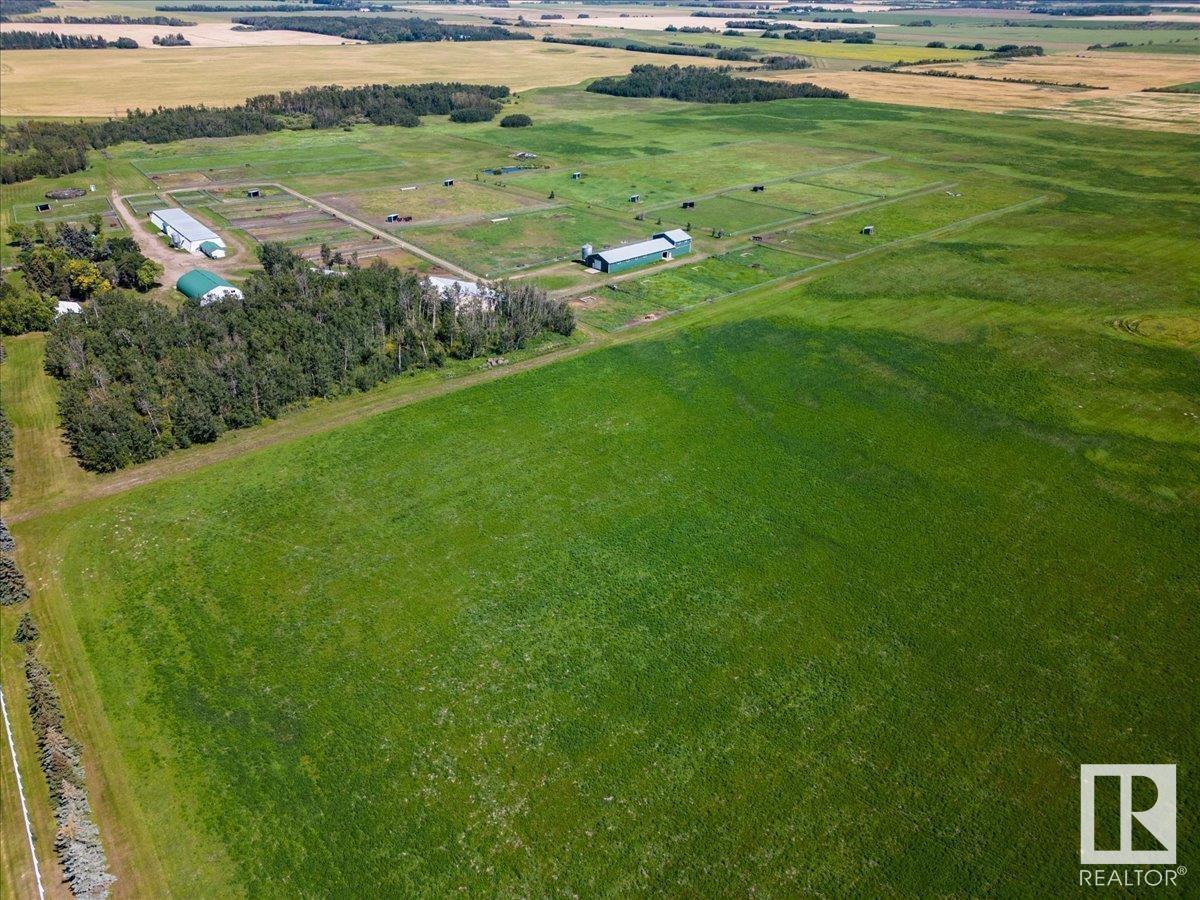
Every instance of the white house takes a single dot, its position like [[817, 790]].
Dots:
[[186, 233]]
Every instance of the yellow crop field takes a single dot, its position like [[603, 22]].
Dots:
[[107, 82]]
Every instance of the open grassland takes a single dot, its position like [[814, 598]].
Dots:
[[858, 563]]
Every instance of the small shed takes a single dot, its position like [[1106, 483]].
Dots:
[[393, 217], [254, 192], [42, 207], [66, 307], [575, 176], [212, 249], [758, 188], [635, 198], [868, 229], [449, 182], [688, 204]]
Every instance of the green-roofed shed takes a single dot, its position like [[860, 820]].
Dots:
[[212, 249], [206, 287]]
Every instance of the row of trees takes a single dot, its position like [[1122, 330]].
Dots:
[[139, 379], [52, 40], [704, 85], [169, 21], [383, 30], [825, 35], [51, 148], [6, 454], [77, 840]]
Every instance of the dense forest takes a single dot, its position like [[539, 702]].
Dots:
[[704, 85], [54, 148], [381, 30], [52, 40], [139, 379]]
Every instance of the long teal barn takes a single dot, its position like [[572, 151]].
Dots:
[[664, 245]]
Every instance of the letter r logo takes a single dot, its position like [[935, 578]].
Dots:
[[1158, 819]]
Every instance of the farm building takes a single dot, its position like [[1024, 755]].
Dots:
[[206, 287], [65, 307], [184, 231], [466, 291], [664, 245]]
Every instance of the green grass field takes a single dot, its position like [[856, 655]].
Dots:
[[825, 587]]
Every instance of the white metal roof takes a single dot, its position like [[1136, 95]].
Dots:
[[445, 284], [633, 251], [185, 225], [675, 235]]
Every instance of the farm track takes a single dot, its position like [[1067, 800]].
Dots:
[[396, 394]]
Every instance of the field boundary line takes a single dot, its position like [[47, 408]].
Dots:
[[795, 278], [12, 749]]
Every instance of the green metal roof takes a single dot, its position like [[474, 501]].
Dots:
[[198, 282], [208, 247]]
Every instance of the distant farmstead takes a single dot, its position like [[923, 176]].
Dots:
[[664, 245], [206, 287], [186, 233]]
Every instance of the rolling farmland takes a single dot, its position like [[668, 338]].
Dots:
[[814, 562]]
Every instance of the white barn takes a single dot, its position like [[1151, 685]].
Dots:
[[187, 233]]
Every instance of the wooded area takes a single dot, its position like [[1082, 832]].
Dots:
[[704, 85], [139, 379]]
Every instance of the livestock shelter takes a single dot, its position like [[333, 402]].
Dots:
[[184, 231], [212, 249], [206, 287], [663, 245]]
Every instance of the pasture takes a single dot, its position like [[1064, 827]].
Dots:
[[825, 583]]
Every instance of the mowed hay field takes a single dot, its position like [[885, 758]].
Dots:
[[827, 587], [107, 82]]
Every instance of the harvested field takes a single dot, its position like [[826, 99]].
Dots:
[[65, 83], [1124, 76], [207, 34]]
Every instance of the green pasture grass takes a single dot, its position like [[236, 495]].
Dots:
[[805, 197], [885, 178], [685, 176], [729, 213], [621, 302], [636, 605], [526, 239], [428, 201], [64, 210], [903, 218]]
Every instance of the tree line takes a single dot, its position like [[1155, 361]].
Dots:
[[382, 30], [825, 35], [710, 50], [52, 40], [704, 85], [138, 379], [169, 21], [54, 148], [77, 840]]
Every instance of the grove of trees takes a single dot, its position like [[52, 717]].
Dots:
[[54, 148], [704, 85], [381, 30], [52, 40], [138, 379]]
